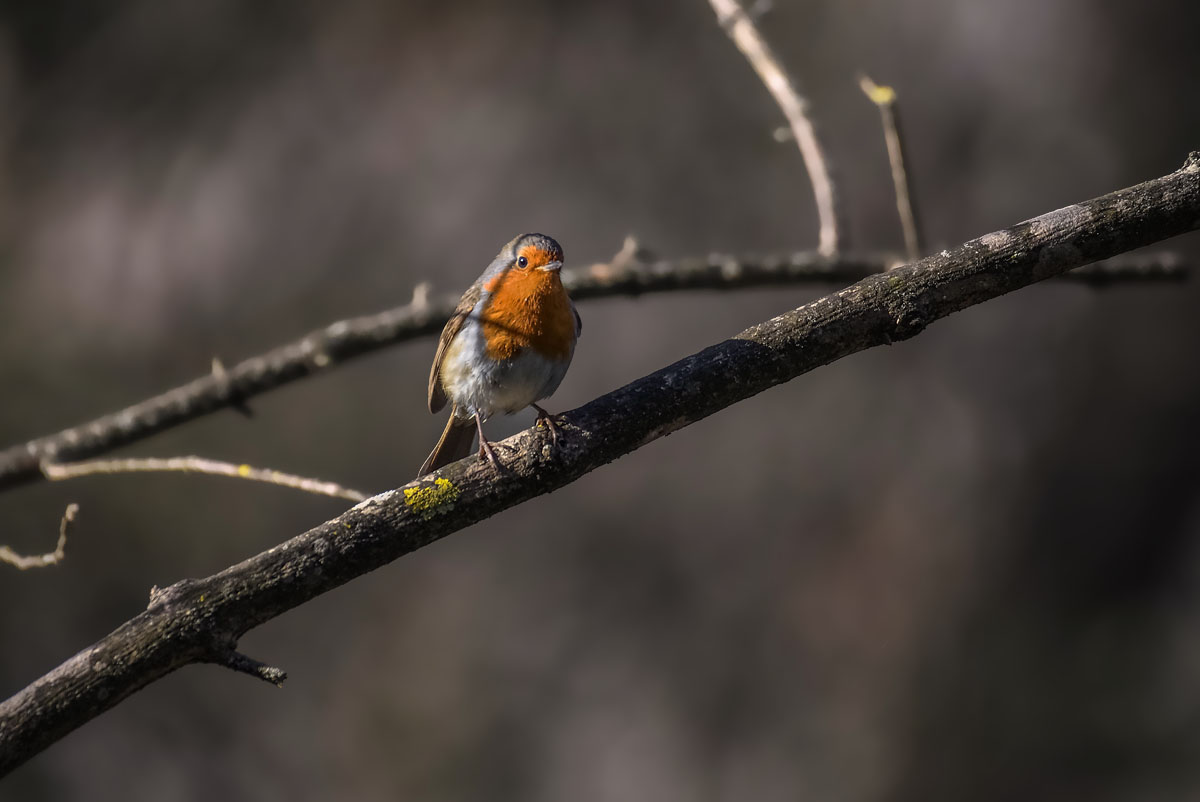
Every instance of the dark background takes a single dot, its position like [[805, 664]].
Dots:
[[963, 567]]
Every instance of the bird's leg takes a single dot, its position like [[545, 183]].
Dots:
[[485, 448], [543, 415]]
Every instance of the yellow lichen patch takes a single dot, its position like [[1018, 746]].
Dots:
[[430, 500], [244, 470]]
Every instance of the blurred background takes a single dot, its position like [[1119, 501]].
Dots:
[[962, 567]]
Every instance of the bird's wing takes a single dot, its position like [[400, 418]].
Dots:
[[437, 395]]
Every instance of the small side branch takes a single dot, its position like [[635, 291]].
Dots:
[[235, 660], [24, 562], [740, 27], [211, 467], [885, 98], [226, 388]]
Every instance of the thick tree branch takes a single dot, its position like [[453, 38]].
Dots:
[[630, 274], [200, 620]]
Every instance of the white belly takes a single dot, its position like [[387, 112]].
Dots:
[[480, 385]]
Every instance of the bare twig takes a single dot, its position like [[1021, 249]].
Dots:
[[631, 273], [71, 470], [184, 622], [420, 298], [239, 662], [24, 562], [740, 27], [885, 98]]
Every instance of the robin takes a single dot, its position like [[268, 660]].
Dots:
[[507, 345]]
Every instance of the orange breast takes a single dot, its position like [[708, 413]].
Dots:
[[528, 309]]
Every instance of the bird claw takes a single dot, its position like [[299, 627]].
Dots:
[[487, 451], [548, 419]]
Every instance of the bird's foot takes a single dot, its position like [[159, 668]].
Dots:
[[487, 451], [545, 417]]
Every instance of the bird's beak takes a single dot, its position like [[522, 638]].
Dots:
[[551, 267]]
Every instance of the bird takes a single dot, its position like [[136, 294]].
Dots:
[[507, 346]]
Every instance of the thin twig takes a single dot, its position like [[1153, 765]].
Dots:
[[183, 621], [740, 27], [71, 470], [633, 272], [24, 562], [885, 98]]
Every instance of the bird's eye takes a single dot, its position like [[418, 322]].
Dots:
[[522, 261]]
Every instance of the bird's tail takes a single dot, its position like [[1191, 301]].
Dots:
[[454, 444]]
